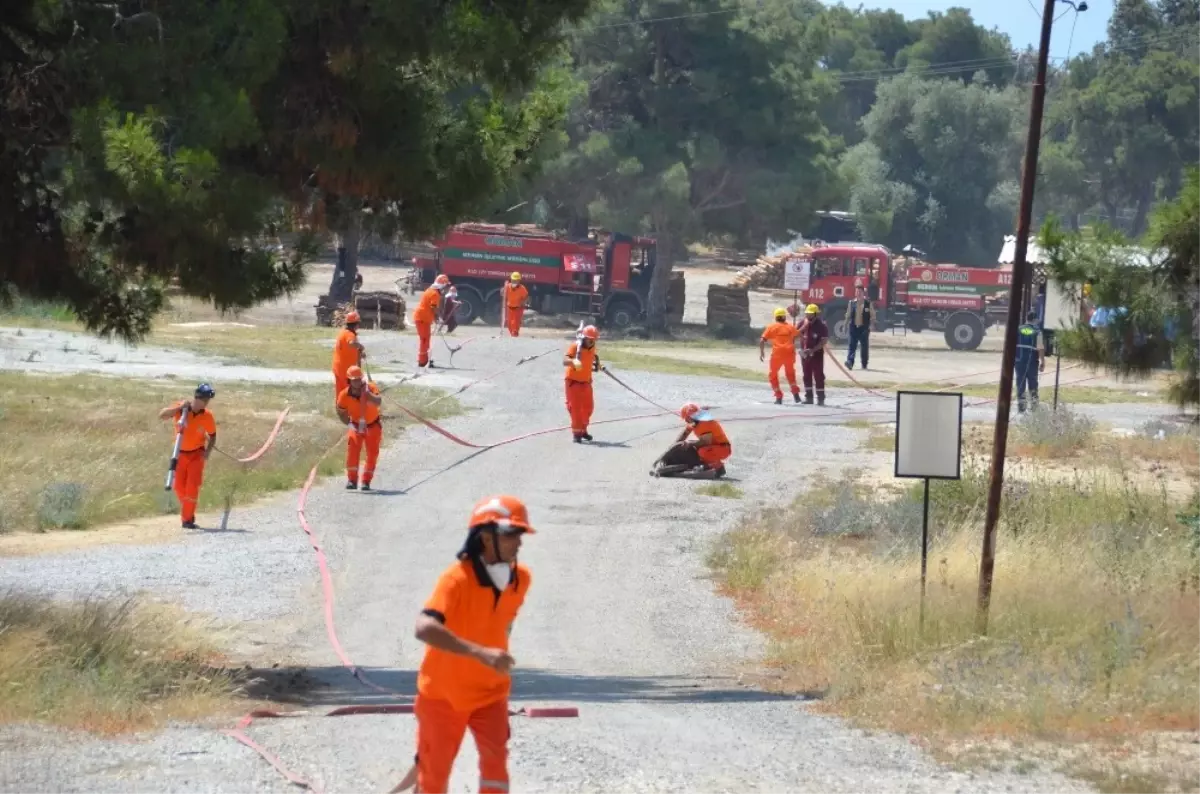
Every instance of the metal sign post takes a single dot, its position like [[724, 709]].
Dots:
[[1061, 312], [928, 447]]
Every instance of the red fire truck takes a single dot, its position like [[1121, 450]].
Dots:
[[961, 302], [606, 276]]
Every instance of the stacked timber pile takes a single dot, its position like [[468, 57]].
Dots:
[[728, 306], [380, 310], [767, 271], [676, 297]]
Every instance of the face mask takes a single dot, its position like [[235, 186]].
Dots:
[[500, 573]]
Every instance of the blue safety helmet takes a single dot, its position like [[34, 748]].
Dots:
[[205, 392]]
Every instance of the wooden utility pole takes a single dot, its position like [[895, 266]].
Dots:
[[987, 560]]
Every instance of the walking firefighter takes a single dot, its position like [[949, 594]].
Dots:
[[705, 455], [515, 298], [1030, 360], [814, 338], [195, 437], [347, 352], [425, 315], [782, 336], [358, 408], [581, 361], [464, 680]]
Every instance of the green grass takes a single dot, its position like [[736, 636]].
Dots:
[[625, 358], [277, 346], [1089, 395], [105, 666], [723, 490], [880, 439], [84, 450]]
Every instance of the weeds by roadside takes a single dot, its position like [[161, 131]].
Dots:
[[722, 490], [86, 449], [1094, 630], [104, 666]]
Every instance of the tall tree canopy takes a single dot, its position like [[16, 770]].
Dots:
[[142, 143]]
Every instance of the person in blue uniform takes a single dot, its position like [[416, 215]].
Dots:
[[1031, 360]]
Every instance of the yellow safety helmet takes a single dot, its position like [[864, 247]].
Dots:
[[812, 309], [515, 276], [780, 314]]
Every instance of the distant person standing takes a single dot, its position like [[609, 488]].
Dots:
[[347, 352], [1031, 360], [515, 297], [860, 314]]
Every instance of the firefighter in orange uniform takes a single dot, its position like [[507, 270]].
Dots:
[[581, 361], [347, 352], [358, 408], [515, 296], [425, 315], [464, 680], [199, 437], [710, 448], [782, 336]]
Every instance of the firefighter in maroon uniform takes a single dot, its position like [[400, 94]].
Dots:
[[814, 336]]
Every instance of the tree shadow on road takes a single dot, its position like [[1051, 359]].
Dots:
[[328, 686]]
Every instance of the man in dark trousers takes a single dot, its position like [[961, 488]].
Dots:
[[814, 336], [1030, 360], [860, 314]]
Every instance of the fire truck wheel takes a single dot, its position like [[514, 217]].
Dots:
[[840, 330], [470, 304], [621, 314], [964, 331], [492, 314]]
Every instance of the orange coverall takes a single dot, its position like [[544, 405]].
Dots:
[[580, 403], [455, 692], [358, 408], [719, 450], [423, 317], [189, 471], [345, 356], [782, 336], [514, 299]]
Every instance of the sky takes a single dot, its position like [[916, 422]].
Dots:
[[1020, 19]]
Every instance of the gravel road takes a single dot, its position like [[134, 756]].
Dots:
[[621, 620]]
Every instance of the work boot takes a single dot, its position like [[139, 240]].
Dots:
[[578, 438], [849, 364], [189, 525], [808, 396], [720, 471], [1020, 406], [779, 401], [586, 436], [366, 486], [821, 397], [351, 485], [796, 396]]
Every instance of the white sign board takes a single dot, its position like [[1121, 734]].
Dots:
[[796, 273], [929, 435], [1062, 308]]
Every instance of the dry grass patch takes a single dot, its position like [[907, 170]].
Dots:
[[83, 450], [1067, 435], [1095, 623], [723, 490], [105, 666]]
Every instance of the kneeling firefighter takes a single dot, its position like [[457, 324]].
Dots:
[[706, 452]]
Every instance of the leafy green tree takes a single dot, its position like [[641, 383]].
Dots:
[[1155, 292], [937, 168], [141, 144]]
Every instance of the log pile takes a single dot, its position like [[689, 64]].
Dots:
[[378, 310], [676, 297], [767, 271], [728, 306]]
